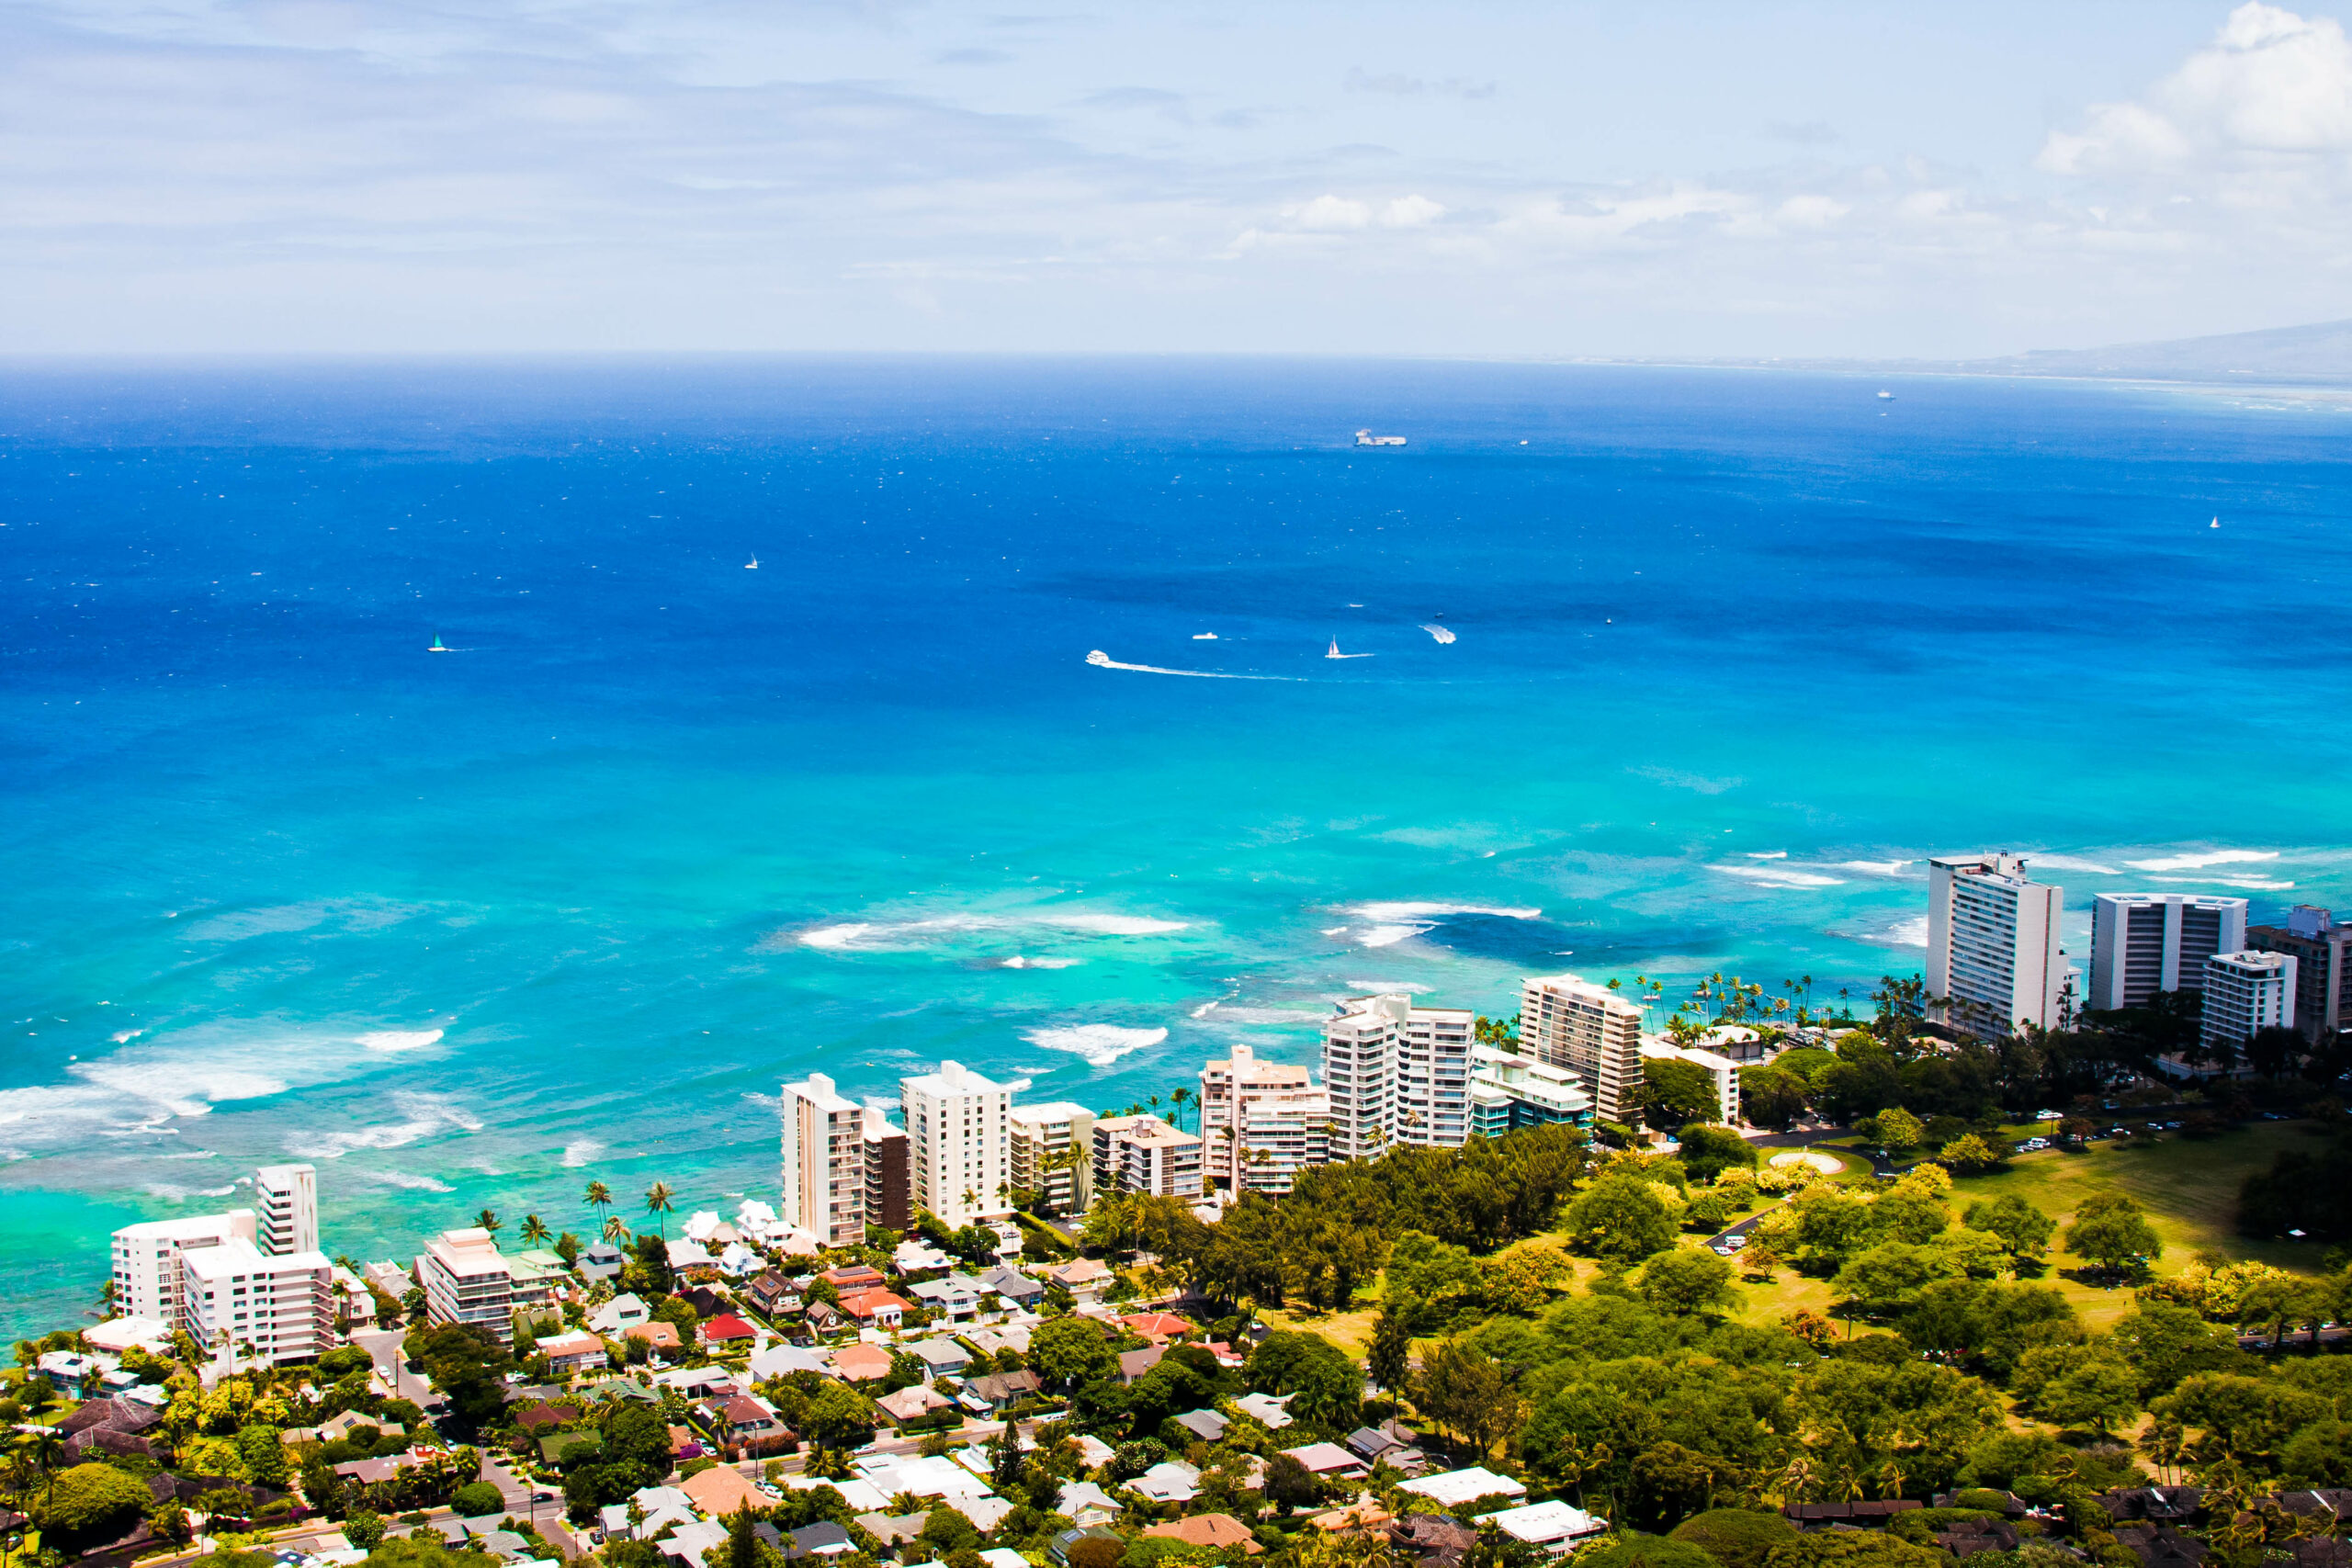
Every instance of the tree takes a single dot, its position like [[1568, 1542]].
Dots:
[[1771, 1098], [535, 1231], [2101, 1394], [1893, 1129], [1390, 1358], [2112, 1232], [1290, 1484], [1325, 1383], [488, 1220], [1887, 1279], [2024, 1230], [658, 1200], [598, 1196], [1620, 1217], [89, 1502], [363, 1529], [1708, 1150], [1004, 1461], [1464, 1389], [1736, 1537], [1852, 1548], [476, 1498], [837, 1417], [1675, 1093], [1688, 1279], [1066, 1351], [1967, 1155], [1634, 1549]]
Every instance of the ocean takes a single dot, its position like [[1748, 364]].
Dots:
[[1732, 653]]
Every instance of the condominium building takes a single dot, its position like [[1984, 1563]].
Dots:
[[824, 1162], [1395, 1073], [2245, 992], [1509, 1092], [238, 1300], [1143, 1154], [286, 1201], [889, 1182], [1051, 1153], [1262, 1122], [466, 1279], [1568, 1021], [147, 1280], [958, 1131], [1994, 962], [2318, 943], [1720, 1070], [2146, 943]]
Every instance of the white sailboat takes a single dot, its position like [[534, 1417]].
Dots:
[[751, 565], [1334, 652]]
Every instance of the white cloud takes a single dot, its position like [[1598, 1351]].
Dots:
[[1411, 212], [1331, 212]]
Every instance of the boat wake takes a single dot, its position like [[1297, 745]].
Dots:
[[1102, 660], [1442, 633]]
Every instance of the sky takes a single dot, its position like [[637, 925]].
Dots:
[[1663, 179]]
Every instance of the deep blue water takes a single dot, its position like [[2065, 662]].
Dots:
[[1736, 651]]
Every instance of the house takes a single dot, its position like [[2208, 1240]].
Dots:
[[772, 1293], [876, 1308], [1206, 1425], [1554, 1525], [1216, 1531], [1003, 1557], [1092, 1450], [940, 1358], [1329, 1462], [1083, 1502], [822, 1316], [98, 1441], [540, 1415], [1058, 1549], [154, 1336], [601, 1261], [917, 1257], [951, 1296], [1018, 1288], [736, 1260], [1169, 1480], [778, 1360], [1371, 1444], [690, 1260], [685, 1445], [861, 1363], [1132, 1364], [1457, 1487], [575, 1353], [114, 1413], [700, 1382], [722, 1489], [996, 1341], [986, 1511], [750, 1423], [689, 1543], [854, 1277], [1084, 1278], [1158, 1326], [911, 1403], [890, 1531], [1266, 1409], [620, 1314], [1438, 1541], [66, 1370], [727, 1332], [823, 1538], [566, 1448], [660, 1337], [1001, 1390], [1363, 1516]]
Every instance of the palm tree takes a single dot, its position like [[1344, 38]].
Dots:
[[658, 1204], [535, 1230], [615, 1230], [1181, 1097], [598, 1196], [488, 1220]]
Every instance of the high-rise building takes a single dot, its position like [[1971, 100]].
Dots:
[[2146, 943], [1143, 1154], [1567, 1021], [957, 1135], [1262, 1122], [2319, 944], [237, 1299], [2245, 992], [825, 1163], [1040, 1154], [1509, 1092], [466, 1279], [286, 1201], [889, 1183], [1994, 962], [1395, 1073], [146, 1258]]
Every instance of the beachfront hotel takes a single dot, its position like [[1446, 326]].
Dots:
[[2146, 943], [148, 1280], [1567, 1021], [824, 1162], [1395, 1073], [466, 1279], [957, 1132], [1994, 962], [1262, 1122]]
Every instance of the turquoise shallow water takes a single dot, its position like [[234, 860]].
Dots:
[[1734, 653]]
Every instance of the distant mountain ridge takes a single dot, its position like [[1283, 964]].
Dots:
[[2316, 355]]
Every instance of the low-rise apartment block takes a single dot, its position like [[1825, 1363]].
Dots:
[[466, 1279], [1509, 1092], [1143, 1154], [1051, 1152]]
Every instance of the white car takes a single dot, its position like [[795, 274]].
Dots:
[[1734, 1242]]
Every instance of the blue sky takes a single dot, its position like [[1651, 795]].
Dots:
[[1655, 179]]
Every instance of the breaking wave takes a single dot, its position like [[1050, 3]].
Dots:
[[1099, 1044]]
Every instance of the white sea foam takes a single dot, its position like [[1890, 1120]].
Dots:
[[1875, 867], [1204, 1009], [1228, 1013], [426, 1115], [2068, 863], [2252, 884], [415, 1183], [1100, 1043], [1389, 936], [398, 1039], [127, 1036], [351, 914], [1023, 961], [1776, 877], [1675, 778], [1768, 854], [2200, 861], [578, 1153], [1912, 932], [193, 1154], [885, 936], [1384, 987], [1401, 909]]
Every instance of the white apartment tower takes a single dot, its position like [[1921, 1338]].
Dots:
[[1993, 952], [2146, 943], [1262, 1122], [239, 1300], [957, 1132], [2245, 992], [147, 1275], [1567, 1021], [1143, 1154], [1039, 1154], [1395, 1073], [285, 1200], [824, 1162], [466, 1279]]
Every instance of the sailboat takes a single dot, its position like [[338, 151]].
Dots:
[[438, 646], [751, 565], [1334, 652]]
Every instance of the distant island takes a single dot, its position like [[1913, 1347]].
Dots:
[[2319, 355]]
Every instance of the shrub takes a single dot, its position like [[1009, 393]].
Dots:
[[1736, 1538], [1097, 1551], [1634, 1550], [476, 1498], [90, 1500]]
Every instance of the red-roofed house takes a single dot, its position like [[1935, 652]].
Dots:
[[1158, 1327], [728, 1332], [881, 1308], [854, 1277], [862, 1363]]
